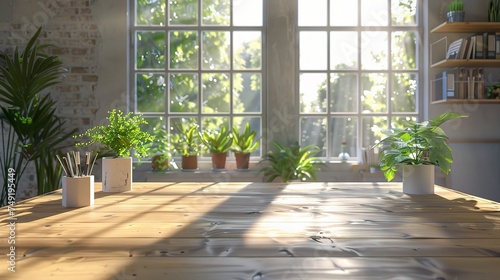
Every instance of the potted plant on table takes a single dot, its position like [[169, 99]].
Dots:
[[218, 143], [187, 144], [243, 145], [418, 147], [292, 163], [456, 11], [122, 135]]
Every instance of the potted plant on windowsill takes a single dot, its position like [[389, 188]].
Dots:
[[243, 145], [187, 144], [418, 147], [122, 135], [456, 11], [291, 163], [218, 143], [160, 149]]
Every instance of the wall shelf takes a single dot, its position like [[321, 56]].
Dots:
[[466, 27], [452, 63], [467, 101]]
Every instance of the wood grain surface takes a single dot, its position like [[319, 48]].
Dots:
[[256, 231]]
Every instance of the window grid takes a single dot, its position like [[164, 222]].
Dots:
[[330, 149]]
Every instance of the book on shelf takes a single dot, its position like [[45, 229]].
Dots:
[[491, 49], [497, 45], [460, 83], [454, 49]]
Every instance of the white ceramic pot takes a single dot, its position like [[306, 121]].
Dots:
[[116, 174], [78, 191], [418, 179]]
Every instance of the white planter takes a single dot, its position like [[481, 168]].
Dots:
[[116, 174], [78, 191], [418, 179]]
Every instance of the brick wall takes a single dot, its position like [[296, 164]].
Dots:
[[71, 27]]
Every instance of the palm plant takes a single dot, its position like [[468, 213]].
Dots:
[[33, 131]]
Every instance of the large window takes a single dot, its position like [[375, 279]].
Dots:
[[359, 71], [198, 61]]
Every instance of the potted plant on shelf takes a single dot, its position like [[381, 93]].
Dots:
[[291, 163], [243, 145], [160, 149], [218, 144], [122, 135], [187, 144], [456, 11], [418, 147]]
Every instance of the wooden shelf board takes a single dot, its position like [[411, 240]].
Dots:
[[464, 101], [467, 63], [466, 27]]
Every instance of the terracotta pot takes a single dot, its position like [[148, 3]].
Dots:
[[418, 179], [158, 164], [116, 174], [189, 162], [242, 160], [219, 160]]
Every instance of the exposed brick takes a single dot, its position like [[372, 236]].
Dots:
[[89, 78]]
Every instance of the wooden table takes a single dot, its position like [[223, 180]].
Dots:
[[256, 231]]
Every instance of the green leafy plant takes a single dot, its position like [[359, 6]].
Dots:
[[187, 142], [121, 135], [244, 142], [217, 142], [31, 130], [456, 5], [422, 143], [291, 163], [160, 150]]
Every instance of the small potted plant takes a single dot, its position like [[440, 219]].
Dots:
[[418, 147], [243, 145], [456, 11], [122, 135], [291, 163], [160, 149], [187, 144], [218, 142]]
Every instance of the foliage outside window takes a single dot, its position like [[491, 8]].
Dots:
[[198, 62], [358, 71]]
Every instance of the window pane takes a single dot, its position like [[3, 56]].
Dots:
[[313, 50], [183, 12], [344, 50], [404, 12], [344, 88], [150, 12], [312, 12], [404, 92], [216, 12], [374, 50], [153, 124], [216, 92], [183, 50], [404, 50], [255, 124], [313, 93], [247, 50], [183, 93], [247, 13], [374, 96], [343, 129], [247, 92], [150, 51], [150, 92], [373, 130], [177, 127], [374, 13], [313, 131], [343, 13], [215, 50]]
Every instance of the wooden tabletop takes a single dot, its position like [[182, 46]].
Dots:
[[256, 231]]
